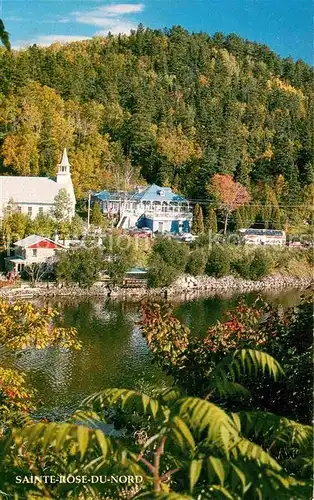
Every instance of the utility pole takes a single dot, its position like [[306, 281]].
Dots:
[[88, 211]]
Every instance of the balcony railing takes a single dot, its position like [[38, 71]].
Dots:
[[168, 210], [157, 213]]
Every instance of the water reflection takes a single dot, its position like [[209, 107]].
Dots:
[[114, 353]]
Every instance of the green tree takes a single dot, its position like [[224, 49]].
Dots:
[[14, 226], [197, 261], [81, 266], [63, 228], [198, 221], [218, 263], [43, 225], [238, 220], [261, 264], [73, 228], [76, 226], [160, 273], [4, 36], [167, 261], [97, 217], [172, 252], [211, 221], [120, 256], [62, 206]]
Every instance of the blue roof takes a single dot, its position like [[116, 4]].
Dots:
[[107, 195], [157, 193], [151, 193]]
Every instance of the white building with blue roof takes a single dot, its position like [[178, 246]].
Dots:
[[156, 207]]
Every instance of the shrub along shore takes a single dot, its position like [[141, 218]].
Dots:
[[173, 268]]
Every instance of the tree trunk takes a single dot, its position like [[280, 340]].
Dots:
[[226, 223]]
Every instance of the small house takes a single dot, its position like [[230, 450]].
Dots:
[[30, 250]]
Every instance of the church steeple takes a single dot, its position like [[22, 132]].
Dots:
[[64, 168], [64, 180]]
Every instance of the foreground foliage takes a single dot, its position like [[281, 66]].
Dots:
[[193, 447], [213, 364], [178, 444], [24, 326]]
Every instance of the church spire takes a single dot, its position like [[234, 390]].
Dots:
[[64, 173], [64, 160]]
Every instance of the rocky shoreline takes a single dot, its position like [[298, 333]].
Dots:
[[184, 288]]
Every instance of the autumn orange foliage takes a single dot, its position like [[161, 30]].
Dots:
[[229, 194]]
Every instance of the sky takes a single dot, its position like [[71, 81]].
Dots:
[[286, 26]]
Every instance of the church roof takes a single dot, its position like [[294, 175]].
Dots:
[[22, 189]]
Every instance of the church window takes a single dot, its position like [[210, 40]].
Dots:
[[40, 210], [19, 209], [34, 252], [29, 211]]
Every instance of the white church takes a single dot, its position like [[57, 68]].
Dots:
[[36, 195]]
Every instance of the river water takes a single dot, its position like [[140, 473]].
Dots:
[[113, 354]]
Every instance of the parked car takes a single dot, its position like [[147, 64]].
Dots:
[[146, 230], [143, 232], [187, 237], [295, 244]]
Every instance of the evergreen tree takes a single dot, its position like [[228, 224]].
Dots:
[[247, 215], [276, 218], [76, 227], [4, 36], [180, 107], [96, 215], [198, 221], [211, 221], [238, 220]]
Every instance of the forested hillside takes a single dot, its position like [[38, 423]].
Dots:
[[162, 106]]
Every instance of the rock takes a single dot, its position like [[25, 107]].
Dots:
[[184, 286]]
